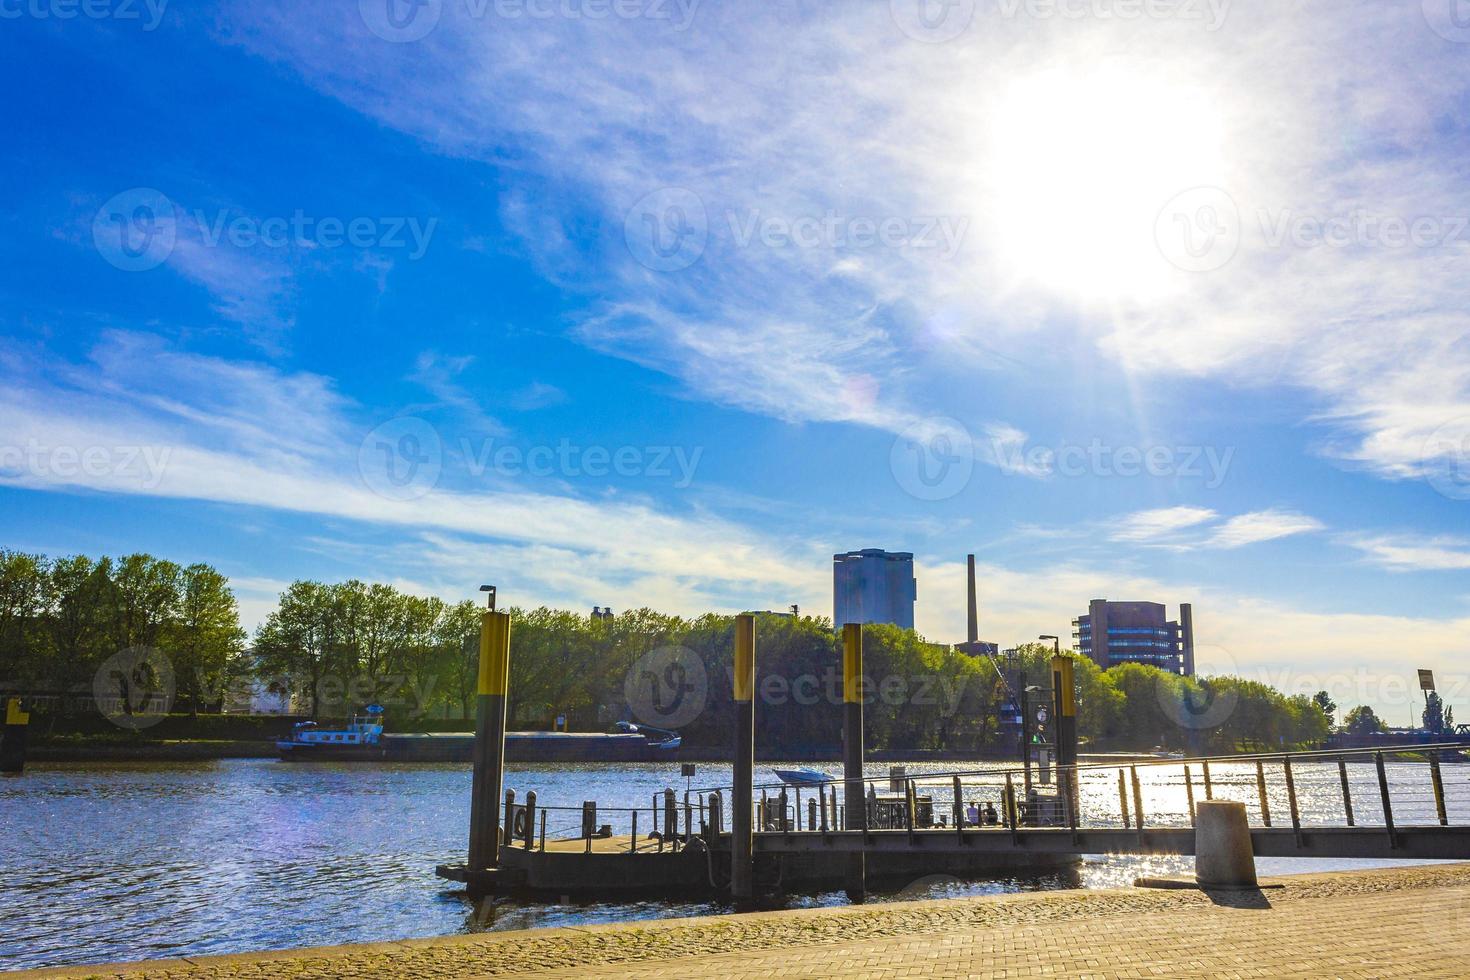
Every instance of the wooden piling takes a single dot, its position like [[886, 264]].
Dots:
[[742, 843], [489, 752], [852, 754]]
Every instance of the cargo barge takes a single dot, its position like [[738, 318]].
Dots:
[[363, 740]]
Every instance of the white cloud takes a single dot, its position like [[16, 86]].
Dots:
[[803, 114], [1261, 525], [1414, 553], [243, 433], [1147, 526]]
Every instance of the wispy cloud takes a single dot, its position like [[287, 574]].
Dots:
[[756, 121], [1261, 525], [1147, 526], [245, 433], [1414, 553], [439, 375]]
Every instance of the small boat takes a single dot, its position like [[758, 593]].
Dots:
[[360, 739], [658, 738], [802, 776]]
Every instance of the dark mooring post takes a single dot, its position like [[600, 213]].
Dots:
[[1064, 693], [742, 845], [13, 746], [489, 754], [852, 754]]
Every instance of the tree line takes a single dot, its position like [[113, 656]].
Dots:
[[335, 647], [62, 619]]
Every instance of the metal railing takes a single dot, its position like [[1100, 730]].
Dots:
[[1297, 789], [1312, 789]]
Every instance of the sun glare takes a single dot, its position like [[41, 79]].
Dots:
[[1079, 166]]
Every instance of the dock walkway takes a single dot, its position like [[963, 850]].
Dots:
[[1395, 922]]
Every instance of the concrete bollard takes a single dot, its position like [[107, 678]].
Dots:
[[1223, 857]]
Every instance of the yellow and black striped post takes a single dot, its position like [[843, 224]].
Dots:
[[742, 843], [1063, 680], [852, 754], [13, 745], [489, 755]]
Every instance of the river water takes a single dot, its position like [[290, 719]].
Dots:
[[114, 862]]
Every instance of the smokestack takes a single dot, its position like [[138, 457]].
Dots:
[[974, 610]]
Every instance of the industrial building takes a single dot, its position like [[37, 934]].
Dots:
[[1113, 633], [873, 586]]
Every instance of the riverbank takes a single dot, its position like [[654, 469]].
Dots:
[[1394, 922], [112, 749]]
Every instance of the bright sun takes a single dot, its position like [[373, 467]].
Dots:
[[1079, 166]]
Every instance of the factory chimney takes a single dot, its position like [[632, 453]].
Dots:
[[974, 634]]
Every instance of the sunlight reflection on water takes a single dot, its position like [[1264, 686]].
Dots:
[[119, 862]]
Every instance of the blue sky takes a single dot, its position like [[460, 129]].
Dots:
[[663, 303]]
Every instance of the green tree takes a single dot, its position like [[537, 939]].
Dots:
[[205, 639], [1362, 721], [300, 639], [1328, 706], [1433, 714], [22, 600], [77, 603]]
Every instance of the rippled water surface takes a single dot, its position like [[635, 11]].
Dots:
[[124, 862]]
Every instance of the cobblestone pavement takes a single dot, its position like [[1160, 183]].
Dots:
[[1398, 922]]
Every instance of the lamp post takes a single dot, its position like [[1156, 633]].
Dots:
[[1056, 643]]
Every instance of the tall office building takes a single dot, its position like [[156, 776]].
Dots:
[[873, 586], [1114, 633]]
